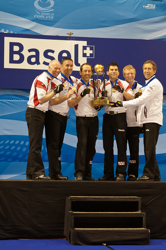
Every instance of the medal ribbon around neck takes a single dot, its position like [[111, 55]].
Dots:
[[54, 77], [134, 85], [87, 85], [145, 84], [69, 80], [113, 85]]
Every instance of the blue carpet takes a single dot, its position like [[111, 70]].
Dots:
[[64, 245]]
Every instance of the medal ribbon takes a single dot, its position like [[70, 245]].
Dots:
[[113, 85], [87, 85], [54, 77], [145, 84], [69, 80]]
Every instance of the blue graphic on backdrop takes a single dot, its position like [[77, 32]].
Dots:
[[14, 141], [143, 19]]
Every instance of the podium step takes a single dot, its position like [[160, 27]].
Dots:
[[103, 203], [107, 219], [106, 236]]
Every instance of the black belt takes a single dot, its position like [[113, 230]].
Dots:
[[114, 112]]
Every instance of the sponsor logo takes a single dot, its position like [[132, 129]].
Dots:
[[147, 130], [121, 130], [31, 53], [149, 6], [132, 161], [121, 163], [44, 9]]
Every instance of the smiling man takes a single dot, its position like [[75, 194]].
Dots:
[[56, 118], [114, 124], [38, 103], [151, 116], [133, 127], [86, 124]]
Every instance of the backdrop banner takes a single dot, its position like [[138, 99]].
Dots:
[[141, 19], [23, 57]]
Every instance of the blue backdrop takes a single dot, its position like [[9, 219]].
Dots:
[[138, 19], [14, 141]]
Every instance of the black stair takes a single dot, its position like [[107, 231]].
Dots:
[[105, 220]]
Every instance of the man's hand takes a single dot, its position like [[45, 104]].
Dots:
[[139, 93], [58, 89], [85, 92], [70, 93], [116, 104], [118, 88], [98, 107], [104, 93]]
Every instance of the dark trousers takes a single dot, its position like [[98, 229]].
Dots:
[[114, 125], [87, 131], [55, 130], [151, 133], [35, 122], [133, 142]]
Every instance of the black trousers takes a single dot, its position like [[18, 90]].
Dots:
[[133, 142], [55, 127], [87, 131], [35, 122], [114, 125], [151, 133]]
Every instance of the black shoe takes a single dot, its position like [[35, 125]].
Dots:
[[41, 177], [28, 177], [131, 178], [60, 177], [106, 178], [87, 178], [144, 178], [120, 177], [157, 178], [78, 178]]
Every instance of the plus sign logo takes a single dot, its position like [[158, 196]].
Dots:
[[89, 51]]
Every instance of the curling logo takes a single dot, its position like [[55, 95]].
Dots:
[[44, 9]]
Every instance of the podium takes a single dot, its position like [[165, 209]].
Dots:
[[95, 220]]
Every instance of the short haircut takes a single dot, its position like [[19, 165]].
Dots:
[[112, 64], [81, 67], [128, 67], [66, 59], [153, 64]]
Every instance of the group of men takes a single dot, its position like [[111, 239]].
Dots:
[[130, 110]]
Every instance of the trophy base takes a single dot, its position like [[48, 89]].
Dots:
[[100, 102]]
